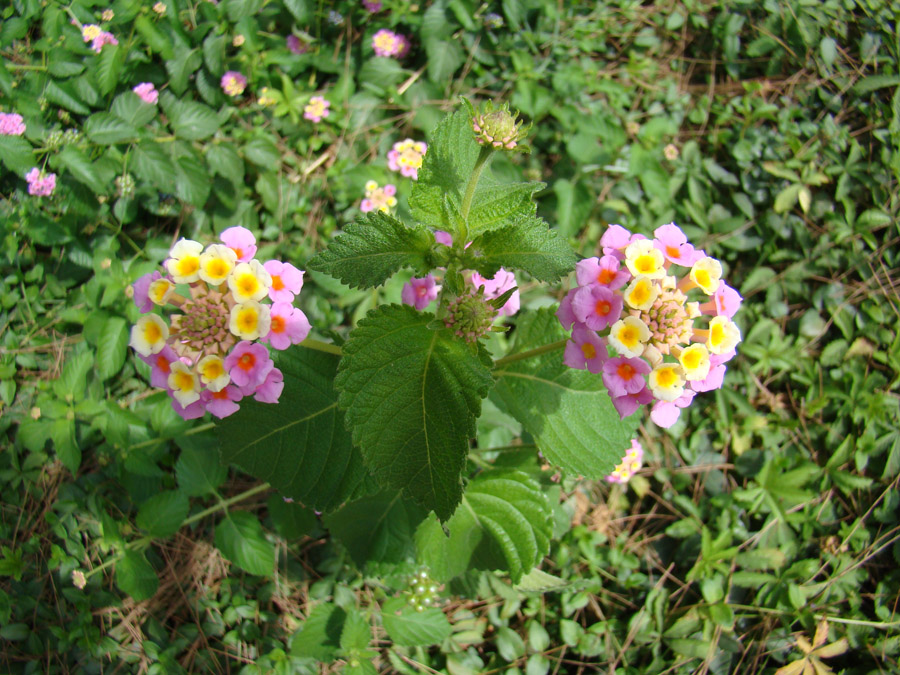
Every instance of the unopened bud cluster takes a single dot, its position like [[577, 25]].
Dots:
[[498, 128], [423, 591], [470, 315]]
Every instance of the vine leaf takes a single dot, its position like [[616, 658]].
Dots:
[[412, 395]]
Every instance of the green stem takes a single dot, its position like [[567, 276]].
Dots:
[[833, 619], [190, 432], [225, 503], [537, 351], [486, 151], [320, 346], [17, 66]]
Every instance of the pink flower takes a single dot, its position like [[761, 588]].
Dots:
[[565, 314], [287, 280], [248, 364], [673, 244], [630, 464], [11, 124], [724, 302], [160, 366], [623, 376], [295, 45], [628, 404], [317, 109], [270, 390], [241, 241], [501, 282], [597, 307], [147, 92], [615, 239], [103, 39], [716, 376], [585, 350], [406, 156], [419, 293], [222, 403], [603, 271], [40, 184], [664, 413], [233, 83], [289, 326], [192, 411], [141, 289], [442, 237], [372, 5], [388, 43]]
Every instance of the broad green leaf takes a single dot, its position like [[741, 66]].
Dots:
[[528, 245], [299, 445], [499, 205], [372, 248], [444, 58], [381, 73], [192, 183], [240, 538], [153, 164], [199, 471], [62, 63], [786, 199], [356, 633], [510, 645], [299, 9], [377, 528], [503, 523], [156, 40], [875, 82], [129, 107], [538, 581], [180, 68], [320, 635], [263, 152], [290, 519], [17, 154], [191, 121], [109, 65], [163, 513], [112, 347], [81, 167], [239, 9], [136, 577], [224, 160], [568, 411], [72, 384], [412, 395], [63, 94], [214, 47], [409, 628], [65, 442]]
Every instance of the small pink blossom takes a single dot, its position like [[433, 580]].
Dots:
[[233, 83], [372, 5], [248, 364], [388, 43], [623, 376], [419, 293], [241, 241], [11, 124], [597, 307], [192, 411], [295, 45], [628, 404], [160, 366], [716, 376], [147, 92], [442, 237], [565, 314], [317, 109], [665, 413], [270, 390], [406, 156], [287, 280], [40, 184], [222, 403], [586, 350], [501, 282], [724, 302], [674, 246], [606, 271], [289, 326], [103, 39], [141, 288], [615, 239]]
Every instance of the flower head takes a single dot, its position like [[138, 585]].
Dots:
[[419, 293], [288, 326], [379, 198], [630, 464], [388, 43], [317, 109], [295, 45], [241, 241], [147, 92], [40, 184], [406, 157], [11, 124], [248, 364], [470, 315], [372, 5], [597, 307], [498, 127], [586, 350], [233, 83], [183, 264], [90, 31], [103, 38], [159, 8]]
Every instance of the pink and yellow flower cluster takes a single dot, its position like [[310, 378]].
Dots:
[[209, 352], [379, 198], [98, 37], [388, 43], [406, 157], [671, 337], [631, 463], [317, 109]]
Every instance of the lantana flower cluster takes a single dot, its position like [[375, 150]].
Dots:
[[631, 463], [233, 83], [388, 43], [317, 109], [11, 124], [98, 37], [406, 157], [210, 351], [40, 183], [146, 92], [379, 198], [668, 347]]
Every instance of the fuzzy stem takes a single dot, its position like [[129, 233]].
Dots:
[[537, 351], [486, 151], [320, 346]]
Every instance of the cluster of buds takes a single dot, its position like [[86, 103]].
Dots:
[[208, 354], [498, 128], [668, 347], [406, 157], [470, 315], [379, 198], [423, 591], [125, 186], [631, 463], [388, 43]]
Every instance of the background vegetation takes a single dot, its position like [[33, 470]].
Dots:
[[767, 131]]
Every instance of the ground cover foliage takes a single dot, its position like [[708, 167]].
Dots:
[[763, 529]]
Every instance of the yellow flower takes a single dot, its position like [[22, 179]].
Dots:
[[695, 361], [643, 259], [628, 335], [249, 281], [216, 263], [723, 335], [184, 261], [666, 381], [250, 320], [212, 372], [706, 273], [149, 335], [184, 384], [641, 293]]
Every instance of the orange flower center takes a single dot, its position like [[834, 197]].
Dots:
[[602, 307], [625, 371], [246, 362], [278, 324], [163, 364], [606, 276], [588, 350], [673, 251], [277, 283]]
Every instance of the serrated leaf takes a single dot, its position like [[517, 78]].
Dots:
[[136, 577], [181, 67], [112, 347], [62, 431], [63, 94], [163, 513], [444, 58], [568, 411], [377, 528], [152, 164], [290, 519], [192, 183], [263, 152], [199, 471], [528, 245], [409, 628], [299, 445], [81, 168], [499, 205], [503, 523], [412, 395], [17, 154], [373, 248], [356, 634], [191, 121], [239, 536], [320, 635], [154, 38], [224, 160], [109, 65], [299, 9], [538, 581], [72, 384], [129, 107]]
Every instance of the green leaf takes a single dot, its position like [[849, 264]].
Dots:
[[444, 58], [299, 445], [112, 347], [62, 431], [510, 645], [136, 577], [154, 39], [240, 538], [499, 205], [199, 471], [191, 121], [292, 520], [319, 637], [372, 248], [17, 154], [412, 395], [528, 245], [503, 523], [63, 94], [568, 411], [72, 384], [377, 528], [180, 68], [538, 581], [109, 65], [786, 199], [381, 73], [409, 628], [263, 152], [239, 9], [356, 634], [152, 164], [874, 82], [81, 167], [192, 183], [129, 108], [163, 513], [224, 160], [299, 9]]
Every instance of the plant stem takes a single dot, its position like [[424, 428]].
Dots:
[[190, 432], [473, 181], [225, 503], [320, 346], [537, 351]]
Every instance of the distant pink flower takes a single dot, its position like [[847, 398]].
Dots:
[[624, 376], [141, 288], [222, 403], [103, 39], [287, 280], [406, 157], [233, 83], [597, 307], [317, 109], [419, 293], [388, 43], [606, 271], [585, 350], [565, 314], [665, 413], [674, 246], [628, 404], [501, 282], [241, 241], [372, 5], [270, 390], [248, 364], [289, 326], [147, 92], [295, 45], [630, 464], [11, 124], [160, 366], [40, 184]]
